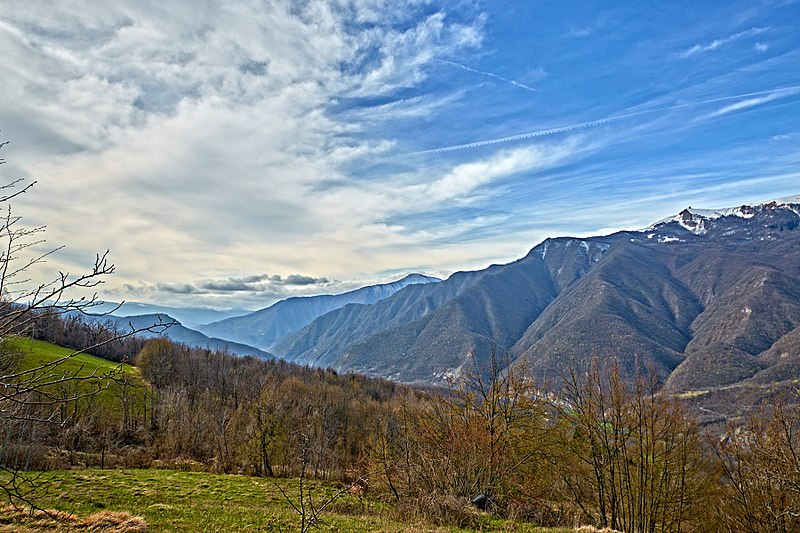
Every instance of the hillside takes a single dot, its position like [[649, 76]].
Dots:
[[57, 370], [177, 332], [322, 341], [35, 353]]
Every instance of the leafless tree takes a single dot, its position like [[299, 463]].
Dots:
[[32, 399], [638, 464], [486, 435], [761, 463], [309, 510]]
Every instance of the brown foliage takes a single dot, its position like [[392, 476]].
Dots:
[[17, 519], [761, 463], [635, 459]]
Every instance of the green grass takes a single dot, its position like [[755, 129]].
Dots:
[[81, 379], [197, 501], [37, 353]]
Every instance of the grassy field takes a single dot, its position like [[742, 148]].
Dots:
[[36, 353], [84, 382], [169, 500], [195, 501]]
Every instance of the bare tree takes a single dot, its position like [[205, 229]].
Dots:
[[32, 399], [309, 510], [761, 462], [485, 436], [638, 464]]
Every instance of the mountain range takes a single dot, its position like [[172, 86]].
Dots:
[[664, 296], [263, 328], [190, 317], [709, 300], [163, 325], [242, 329]]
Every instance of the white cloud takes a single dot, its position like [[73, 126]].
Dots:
[[719, 43], [463, 179], [752, 102], [402, 56], [195, 138], [415, 107], [210, 140]]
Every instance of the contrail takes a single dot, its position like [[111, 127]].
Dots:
[[490, 74], [599, 122]]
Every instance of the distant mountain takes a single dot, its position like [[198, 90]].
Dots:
[[710, 299], [323, 341], [189, 316], [266, 327], [179, 333]]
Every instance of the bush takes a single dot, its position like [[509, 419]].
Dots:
[[441, 510]]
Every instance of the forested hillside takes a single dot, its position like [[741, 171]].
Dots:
[[606, 451]]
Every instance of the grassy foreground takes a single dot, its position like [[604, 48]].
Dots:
[[196, 501]]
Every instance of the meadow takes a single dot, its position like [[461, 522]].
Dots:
[[37, 353], [193, 440], [169, 500]]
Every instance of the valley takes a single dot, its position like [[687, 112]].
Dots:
[[706, 299], [534, 386]]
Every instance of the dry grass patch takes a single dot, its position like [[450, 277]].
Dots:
[[17, 519]]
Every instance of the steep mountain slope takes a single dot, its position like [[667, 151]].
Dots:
[[629, 305], [705, 297], [432, 330], [490, 314], [267, 326], [324, 340], [492, 311]]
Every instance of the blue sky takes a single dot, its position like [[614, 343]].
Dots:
[[232, 153]]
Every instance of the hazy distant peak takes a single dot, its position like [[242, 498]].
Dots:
[[416, 278], [265, 327]]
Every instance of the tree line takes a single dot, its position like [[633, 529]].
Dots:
[[604, 451]]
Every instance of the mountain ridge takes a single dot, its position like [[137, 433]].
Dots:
[[264, 327], [646, 297], [167, 326], [188, 316]]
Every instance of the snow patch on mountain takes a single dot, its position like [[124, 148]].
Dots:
[[590, 246], [544, 245], [699, 221]]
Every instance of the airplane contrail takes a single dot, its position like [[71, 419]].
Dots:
[[599, 122], [490, 74]]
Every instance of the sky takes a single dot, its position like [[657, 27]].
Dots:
[[233, 153]]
